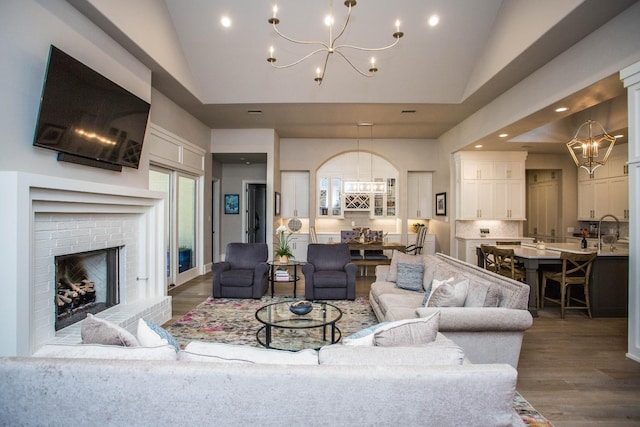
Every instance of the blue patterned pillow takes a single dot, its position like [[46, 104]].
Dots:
[[151, 335], [410, 276]]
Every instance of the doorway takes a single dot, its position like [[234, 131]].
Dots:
[[256, 214]]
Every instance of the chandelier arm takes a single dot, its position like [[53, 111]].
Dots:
[[275, 28], [369, 49], [299, 60], [362, 73], [344, 27]]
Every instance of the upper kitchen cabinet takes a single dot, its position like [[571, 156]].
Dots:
[[295, 194], [420, 195], [490, 185], [607, 192]]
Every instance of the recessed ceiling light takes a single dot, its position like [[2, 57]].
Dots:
[[225, 21], [503, 135], [478, 146], [254, 111], [365, 124], [434, 20], [408, 111], [561, 109]]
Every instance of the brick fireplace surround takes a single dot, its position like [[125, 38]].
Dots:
[[42, 217]]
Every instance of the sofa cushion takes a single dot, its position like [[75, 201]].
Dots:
[[99, 331], [441, 351], [410, 276], [237, 278], [408, 300], [408, 332], [231, 353], [149, 334], [100, 351], [449, 294]]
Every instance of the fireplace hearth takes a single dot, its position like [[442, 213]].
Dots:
[[86, 282]]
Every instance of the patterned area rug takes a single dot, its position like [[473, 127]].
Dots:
[[233, 321]]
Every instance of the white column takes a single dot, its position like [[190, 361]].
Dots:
[[631, 78]]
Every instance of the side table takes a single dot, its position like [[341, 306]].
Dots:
[[275, 265]]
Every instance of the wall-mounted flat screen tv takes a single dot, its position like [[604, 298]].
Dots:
[[84, 115]]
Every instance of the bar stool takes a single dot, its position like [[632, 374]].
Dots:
[[489, 257], [576, 269], [506, 264]]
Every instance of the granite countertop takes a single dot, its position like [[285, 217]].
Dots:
[[619, 250]]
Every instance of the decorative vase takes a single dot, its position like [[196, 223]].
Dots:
[[284, 259]]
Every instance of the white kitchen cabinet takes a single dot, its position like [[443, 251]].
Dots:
[[295, 194], [619, 197], [542, 217], [598, 197], [476, 199], [420, 195], [299, 243], [489, 188]]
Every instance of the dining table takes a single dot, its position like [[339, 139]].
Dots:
[[375, 246]]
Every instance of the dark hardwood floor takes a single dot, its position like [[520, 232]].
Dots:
[[574, 371]]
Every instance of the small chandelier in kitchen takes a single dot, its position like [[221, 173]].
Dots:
[[369, 186], [595, 149], [331, 47]]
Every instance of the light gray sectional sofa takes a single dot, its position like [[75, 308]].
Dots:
[[225, 385], [489, 326]]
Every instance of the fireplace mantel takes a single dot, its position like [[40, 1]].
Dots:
[[29, 196]]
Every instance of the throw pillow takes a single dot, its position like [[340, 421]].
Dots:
[[435, 283], [99, 331], [400, 257], [449, 295], [410, 276], [363, 337], [150, 335], [492, 298], [408, 332]]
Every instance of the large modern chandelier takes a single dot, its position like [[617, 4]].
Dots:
[[330, 47], [595, 151]]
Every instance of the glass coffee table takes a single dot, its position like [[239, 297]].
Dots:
[[285, 330]]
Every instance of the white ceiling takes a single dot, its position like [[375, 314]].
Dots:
[[479, 50]]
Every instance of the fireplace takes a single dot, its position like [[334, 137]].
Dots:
[[86, 282]]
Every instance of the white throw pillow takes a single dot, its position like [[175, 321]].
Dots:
[[435, 283], [408, 332], [449, 295], [149, 334]]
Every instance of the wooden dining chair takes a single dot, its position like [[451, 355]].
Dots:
[[489, 257], [576, 269], [506, 264]]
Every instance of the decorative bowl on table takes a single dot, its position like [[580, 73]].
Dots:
[[300, 307]]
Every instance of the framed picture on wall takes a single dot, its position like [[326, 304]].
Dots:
[[231, 204], [441, 203], [277, 204]]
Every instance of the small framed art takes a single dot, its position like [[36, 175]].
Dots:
[[231, 204], [441, 203]]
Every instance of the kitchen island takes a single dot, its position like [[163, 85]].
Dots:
[[609, 284]]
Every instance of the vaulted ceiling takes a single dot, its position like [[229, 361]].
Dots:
[[432, 80]]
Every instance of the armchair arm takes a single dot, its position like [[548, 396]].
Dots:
[[217, 269], [260, 279], [307, 270]]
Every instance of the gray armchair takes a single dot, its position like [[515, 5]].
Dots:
[[329, 272], [243, 274]]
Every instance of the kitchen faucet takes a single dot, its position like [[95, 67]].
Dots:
[[617, 236]]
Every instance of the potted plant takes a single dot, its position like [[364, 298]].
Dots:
[[283, 250]]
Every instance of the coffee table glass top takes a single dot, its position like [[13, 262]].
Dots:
[[279, 315]]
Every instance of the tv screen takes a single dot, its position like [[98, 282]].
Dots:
[[84, 114]]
